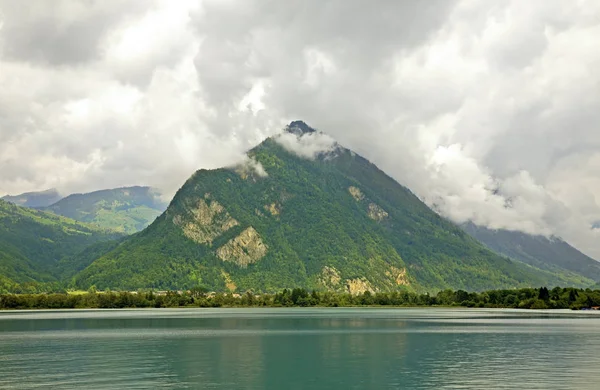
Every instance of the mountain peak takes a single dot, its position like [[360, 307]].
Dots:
[[323, 219], [299, 128]]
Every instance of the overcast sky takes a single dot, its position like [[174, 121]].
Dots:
[[487, 110]]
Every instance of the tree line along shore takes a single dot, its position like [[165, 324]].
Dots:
[[524, 298]]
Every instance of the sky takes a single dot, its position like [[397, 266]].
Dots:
[[487, 110]]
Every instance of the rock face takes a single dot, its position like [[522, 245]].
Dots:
[[299, 128], [208, 221], [359, 286], [356, 193], [398, 275], [376, 213], [229, 284], [247, 248], [330, 278], [274, 209]]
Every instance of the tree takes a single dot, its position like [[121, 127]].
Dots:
[[573, 294], [298, 293], [544, 294], [248, 299], [198, 291]]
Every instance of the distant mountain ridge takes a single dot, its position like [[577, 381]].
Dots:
[[34, 199], [539, 251], [332, 222], [126, 209]]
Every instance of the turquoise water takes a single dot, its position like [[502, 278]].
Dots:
[[300, 349]]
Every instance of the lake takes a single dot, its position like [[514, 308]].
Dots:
[[341, 348]]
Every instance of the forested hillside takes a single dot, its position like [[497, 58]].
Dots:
[[32, 242], [331, 221], [552, 254]]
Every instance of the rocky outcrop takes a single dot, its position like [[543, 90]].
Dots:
[[245, 249], [356, 193], [205, 222], [329, 278], [376, 213], [229, 284], [359, 286], [398, 275], [274, 209]]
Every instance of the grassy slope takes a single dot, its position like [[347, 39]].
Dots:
[[128, 210], [320, 224]]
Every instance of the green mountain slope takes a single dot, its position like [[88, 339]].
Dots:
[[549, 254], [74, 263], [32, 242], [335, 222], [128, 210], [34, 199]]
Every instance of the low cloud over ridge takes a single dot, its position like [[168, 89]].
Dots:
[[308, 145]]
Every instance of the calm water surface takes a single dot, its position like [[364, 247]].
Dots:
[[300, 349]]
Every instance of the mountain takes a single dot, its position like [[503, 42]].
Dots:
[[32, 243], [552, 254], [34, 199], [71, 264], [128, 209], [330, 220]]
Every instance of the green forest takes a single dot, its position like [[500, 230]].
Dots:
[[524, 298], [33, 243]]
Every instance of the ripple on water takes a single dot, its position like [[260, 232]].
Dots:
[[295, 349]]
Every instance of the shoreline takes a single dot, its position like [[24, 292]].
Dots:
[[520, 299]]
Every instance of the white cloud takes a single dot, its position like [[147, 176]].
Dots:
[[308, 145], [250, 166], [487, 110]]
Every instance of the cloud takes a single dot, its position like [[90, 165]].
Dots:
[[486, 110], [474, 108], [250, 166], [308, 145], [61, 32]]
